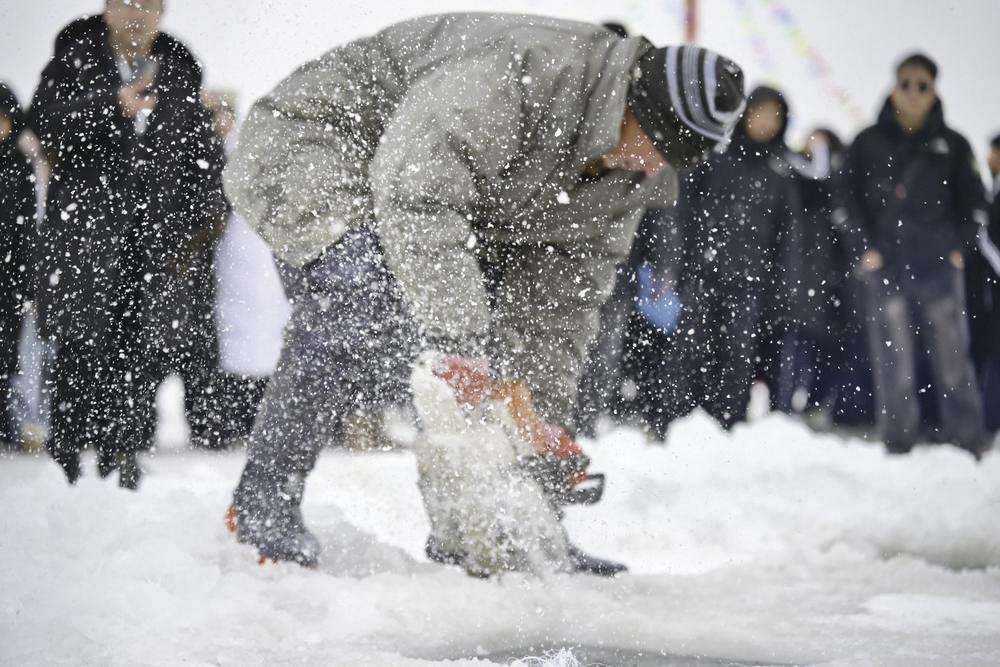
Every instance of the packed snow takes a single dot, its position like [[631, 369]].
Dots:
[[768, 545]]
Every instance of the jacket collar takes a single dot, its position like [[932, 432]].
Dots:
[[933, 127]]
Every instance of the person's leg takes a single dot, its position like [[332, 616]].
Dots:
[[990, 387], [198, 362], [734, 356], [74, 392], [10, 331], [947, 353], [128, 417], [892, 345], [791, 373], [349, 344]]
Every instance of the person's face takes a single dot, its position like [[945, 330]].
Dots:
[[6, 127], [223, 120], [763, 121], [134, 22], [914, 94], [635, 150], [994, 160], [642, 155]]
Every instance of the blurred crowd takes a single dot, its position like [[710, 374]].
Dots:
[[114, 222], [857, 282]]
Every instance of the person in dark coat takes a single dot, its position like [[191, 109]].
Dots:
[[118, 114], [17, 240], [918, 202], [989, 243], [735, 212], [815, 262], [621, 377]]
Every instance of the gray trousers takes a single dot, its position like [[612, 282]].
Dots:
[[922, 319], [348, 346]]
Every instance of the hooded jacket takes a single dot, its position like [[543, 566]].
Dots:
[[915, 197], [473, 131], [121, 204], [17, 216], [738, 210]]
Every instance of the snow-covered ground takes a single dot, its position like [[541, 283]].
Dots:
[[770, 545]]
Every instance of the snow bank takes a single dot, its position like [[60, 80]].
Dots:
[[771, 545]]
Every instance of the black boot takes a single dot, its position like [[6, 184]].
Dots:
[[584, 563], [267, 515], [438, 554], [68, 460], [129, 472]]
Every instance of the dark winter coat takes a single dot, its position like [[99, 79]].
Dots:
[[915, 197], [17, 228], [17, 210], [817, 258], [737, 210], [122, 206]]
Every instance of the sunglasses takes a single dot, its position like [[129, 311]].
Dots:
[[921, 86]]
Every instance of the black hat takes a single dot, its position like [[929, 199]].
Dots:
[[688, 100]]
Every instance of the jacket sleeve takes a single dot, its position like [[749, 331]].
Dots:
[[789, 249], [61, 107], [299, 171], [858, 228], [22, 235], [970, 195], [452, 130]]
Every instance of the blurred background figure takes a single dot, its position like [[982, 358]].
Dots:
[[17, 245], [815, 262], [135, 174], [250, 305], [917, 200], [735, 213], [989, 241]]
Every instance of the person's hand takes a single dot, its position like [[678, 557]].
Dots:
[[871, 260], [134, 98], [956, 259], [468, 377], [558, 442]]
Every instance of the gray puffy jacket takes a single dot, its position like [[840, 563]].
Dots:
[[451, 135]]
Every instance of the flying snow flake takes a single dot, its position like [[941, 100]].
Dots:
[[562, 197]]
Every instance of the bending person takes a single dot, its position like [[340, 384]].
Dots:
[[465, 183]]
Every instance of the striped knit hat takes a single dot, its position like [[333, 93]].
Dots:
[[688, 100]]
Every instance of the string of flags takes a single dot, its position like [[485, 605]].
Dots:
[[817, 65]]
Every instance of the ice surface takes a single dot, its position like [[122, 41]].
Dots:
[[769, 545]]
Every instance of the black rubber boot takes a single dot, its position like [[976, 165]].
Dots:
[[129, 472], [68, 460], [268, 516], [127, 465], [584, 563], [438, 554]]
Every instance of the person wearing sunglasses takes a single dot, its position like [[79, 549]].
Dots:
[[917, 205]]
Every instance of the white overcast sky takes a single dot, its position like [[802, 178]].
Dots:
[[249, 45]]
